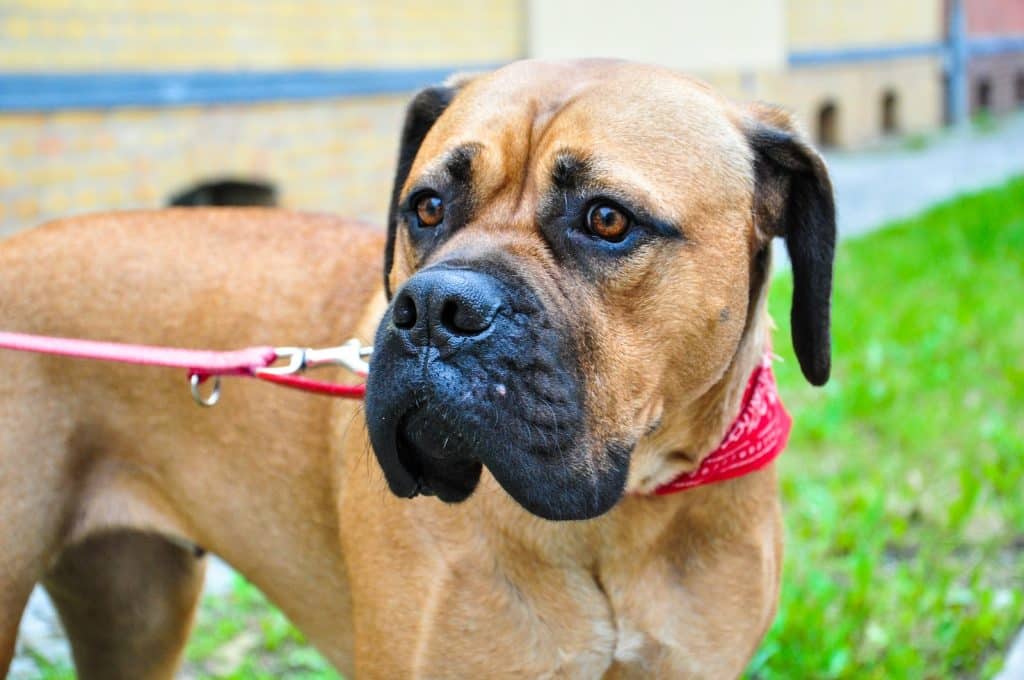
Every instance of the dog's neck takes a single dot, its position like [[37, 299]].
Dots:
[[694, 429]]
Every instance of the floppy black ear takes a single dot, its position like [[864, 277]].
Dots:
[[793, 199], [424, 110]]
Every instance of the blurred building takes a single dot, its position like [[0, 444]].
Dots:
[[988, 37], [114, 104], [852, 70], [108, 104]]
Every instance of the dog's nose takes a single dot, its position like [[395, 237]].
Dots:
[[438, 305]]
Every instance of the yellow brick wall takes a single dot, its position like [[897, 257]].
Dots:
[[122, 35], [335, 156], [823, 24]]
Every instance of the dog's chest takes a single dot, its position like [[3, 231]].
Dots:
[[555, 625], [489, 623]]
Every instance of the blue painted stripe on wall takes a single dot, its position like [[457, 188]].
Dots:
[[27, 92], [974, 46], [995, 45], [52, 91], [862, 54]]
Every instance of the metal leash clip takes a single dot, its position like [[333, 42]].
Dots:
[[195, 380], [352, 355]]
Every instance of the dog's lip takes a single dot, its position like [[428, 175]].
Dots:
[[399, 478], [451, 478], [409, 456]]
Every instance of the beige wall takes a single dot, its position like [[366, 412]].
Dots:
[[691, 35], [823, 24], [55, 35], [857, 90]]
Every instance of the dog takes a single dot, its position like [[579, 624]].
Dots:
[[574, 277]]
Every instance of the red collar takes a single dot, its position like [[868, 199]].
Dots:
[[755, 438]]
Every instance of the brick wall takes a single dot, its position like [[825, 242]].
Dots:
[[336, 156], [818, 24], [48, 35], [994, 80], [1002, 72], [994, 17]]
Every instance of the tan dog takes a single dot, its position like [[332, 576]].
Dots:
[[579, 255]]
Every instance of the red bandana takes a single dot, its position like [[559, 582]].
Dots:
[[755, 438]]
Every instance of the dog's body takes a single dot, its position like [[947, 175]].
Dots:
[[109, 475]]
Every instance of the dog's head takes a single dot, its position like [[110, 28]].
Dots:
[[573, 252]]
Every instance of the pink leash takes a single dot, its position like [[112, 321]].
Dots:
[[256, 362], [756, 437]]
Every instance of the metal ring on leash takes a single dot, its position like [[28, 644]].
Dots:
[[194, 380]]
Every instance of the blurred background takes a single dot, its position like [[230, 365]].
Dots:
[[904, 515], [114, 104]]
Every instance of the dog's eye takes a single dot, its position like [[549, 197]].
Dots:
[[429, 210], [608, 222]]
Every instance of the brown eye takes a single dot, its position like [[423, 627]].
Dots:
[[430, 210], [607, 222]]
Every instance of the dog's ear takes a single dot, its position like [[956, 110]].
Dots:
[[793, 199], [424, 110]]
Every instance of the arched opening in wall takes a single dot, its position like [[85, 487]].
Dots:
[[890, 113], [1019, 89], [947, 104], [828, 124], [226, 192], [983, 96]]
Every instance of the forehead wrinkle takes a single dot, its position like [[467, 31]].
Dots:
[[459, 161], [571, 169], [542, 113], [625, 179], [454, 165], [597, 174]]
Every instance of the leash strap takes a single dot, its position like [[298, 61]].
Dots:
[[257, 362], [318, 386], [756, 437], [238, 362]]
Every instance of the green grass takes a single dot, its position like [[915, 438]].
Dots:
[[917, 141], [902, 486], [984, 122], [241, 636], [50, 670]]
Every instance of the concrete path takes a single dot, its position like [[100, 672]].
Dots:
[[1013, 669], [872, 188], [876, 187]]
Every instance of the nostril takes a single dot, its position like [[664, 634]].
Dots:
[[404, 312], [462, 318]]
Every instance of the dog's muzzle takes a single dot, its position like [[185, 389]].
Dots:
[[468, 371]]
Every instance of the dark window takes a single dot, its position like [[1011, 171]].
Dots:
[[828, 124], [890, 113], [947, 99], [226, 192], [984, 94], [1020, 89]]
